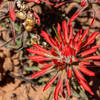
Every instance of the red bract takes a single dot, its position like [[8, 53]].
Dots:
[[37, 17], [70, 55], [83, 2], [38, 1], [12, 14], [97, 0], [59, 4]]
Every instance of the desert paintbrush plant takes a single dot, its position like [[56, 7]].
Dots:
[[69, 55]]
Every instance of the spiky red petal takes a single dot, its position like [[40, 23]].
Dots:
[[50, 82]]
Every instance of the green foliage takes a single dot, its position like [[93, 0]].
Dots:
[[33, 68], [18, 27]]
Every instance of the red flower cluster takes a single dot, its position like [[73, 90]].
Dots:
[[69, 56]]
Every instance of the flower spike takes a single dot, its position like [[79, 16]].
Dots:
[[86, 71], [68, 87], [58, 87], [39, 73], [50, 82], [65, 31]]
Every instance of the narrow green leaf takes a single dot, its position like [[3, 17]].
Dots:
[[31, 68], [57, 35]]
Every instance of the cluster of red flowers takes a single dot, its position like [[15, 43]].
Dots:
[[68, 56]]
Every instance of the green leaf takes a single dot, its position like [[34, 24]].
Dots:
[[74, 93], [83, 95], [31, 68], [77, 1], [18, 27], [41, 80], [45, 98], [18, 42], [84, 39], [3, 24], [57, 35]]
